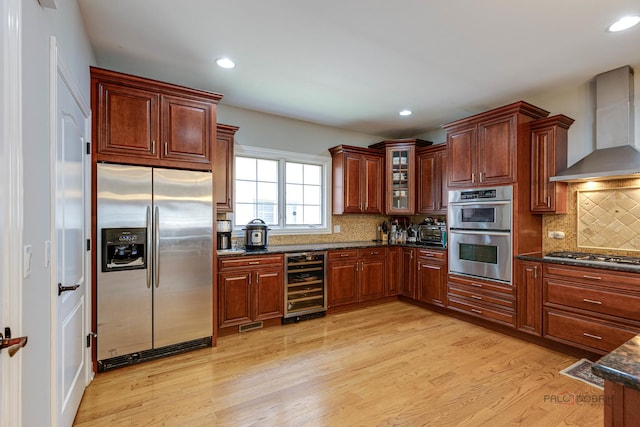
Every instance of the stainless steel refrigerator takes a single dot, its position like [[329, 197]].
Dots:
[[154, 256]]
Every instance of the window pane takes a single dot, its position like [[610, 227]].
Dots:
[[267, 170], [311, 195], [294, 215], [268, 212], [245, 168], [294, 194], [267, 192], [244, 213], [246, 191], [312, 215], [294, 173], [312, 174]]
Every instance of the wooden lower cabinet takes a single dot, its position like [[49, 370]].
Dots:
[[528, 284], [394, 269], [250, 289], [486, 299], [356, 275], [592, 309], [431, 277], [621, 405], [407, 278]]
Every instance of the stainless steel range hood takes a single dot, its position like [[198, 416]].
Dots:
[[615, 155]]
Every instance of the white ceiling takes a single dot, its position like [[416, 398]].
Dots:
[[354, 64]]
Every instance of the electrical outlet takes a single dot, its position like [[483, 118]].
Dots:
[[556, 234], [336, 228]]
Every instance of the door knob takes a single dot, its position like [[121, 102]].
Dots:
[[12, 344]]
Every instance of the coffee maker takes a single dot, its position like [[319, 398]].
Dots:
[[224, 234]]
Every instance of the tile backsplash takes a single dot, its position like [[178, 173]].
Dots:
[[603, 216]]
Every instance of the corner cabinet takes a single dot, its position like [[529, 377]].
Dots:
[[486, 149], [400, 174], [548, 157], [357, 180], [433, 188], [148, 122], [223, 168]]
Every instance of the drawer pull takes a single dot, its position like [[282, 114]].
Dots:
[[595, 337], [477, 285], [344, 254], [476, 297], [592, 277], [591, 301], [373, 253], [475, 310], [253, 262]]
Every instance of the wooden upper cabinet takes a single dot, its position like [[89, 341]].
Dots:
[[357, 180], [223, 167], [400, 174], [548, 157], [127, 120], [152, 123], [187, 129], [433, 189], [486, 149]]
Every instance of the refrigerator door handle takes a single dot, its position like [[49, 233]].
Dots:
[[156, 246], [149, 250]]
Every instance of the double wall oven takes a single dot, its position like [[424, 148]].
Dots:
[[480, 240]]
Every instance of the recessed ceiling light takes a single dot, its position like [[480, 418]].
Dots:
[[225, 63], [405, 112], [624, 23]]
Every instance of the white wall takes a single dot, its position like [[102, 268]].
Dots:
[[576, 102], [268, 131], [38, 25]]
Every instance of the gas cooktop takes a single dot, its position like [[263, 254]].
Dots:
[[593, 257]]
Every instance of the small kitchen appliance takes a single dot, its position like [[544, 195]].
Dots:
[[432, 235], [255, 236], [223, 232]]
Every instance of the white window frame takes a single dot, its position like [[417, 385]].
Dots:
[[282, 157]]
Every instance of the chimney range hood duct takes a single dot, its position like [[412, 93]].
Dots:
[[615, 155]]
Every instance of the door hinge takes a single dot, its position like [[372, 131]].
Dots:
[[88, 244], [89, 336], [88, 147]]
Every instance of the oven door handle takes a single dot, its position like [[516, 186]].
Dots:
[[480, 203], [479, 232]]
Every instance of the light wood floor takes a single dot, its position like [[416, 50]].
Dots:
[[393, 364]]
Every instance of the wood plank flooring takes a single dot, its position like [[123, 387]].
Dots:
[[392, 364]]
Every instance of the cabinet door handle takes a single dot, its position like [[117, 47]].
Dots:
[[591, 301], [548, 201], [592, 277], [257, 279], [482, 176], [166, 148], [473, 177], [535, 272], [475, 310], [250, 274], [588, 335], [153, 147]]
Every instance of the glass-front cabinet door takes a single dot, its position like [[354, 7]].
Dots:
[[400, 174], [400, 180]]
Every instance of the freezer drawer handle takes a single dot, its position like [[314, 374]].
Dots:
[[62, 289]]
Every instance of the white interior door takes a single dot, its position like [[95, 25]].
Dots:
[[70, 196]]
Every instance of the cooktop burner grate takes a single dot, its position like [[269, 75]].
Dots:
[[586, 256]]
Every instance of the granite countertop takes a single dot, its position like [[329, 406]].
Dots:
[[281, 249], [538, 257], [622, 365]]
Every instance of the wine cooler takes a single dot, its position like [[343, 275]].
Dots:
[[305, 291]]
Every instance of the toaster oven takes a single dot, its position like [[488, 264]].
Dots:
[[432, 235]]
